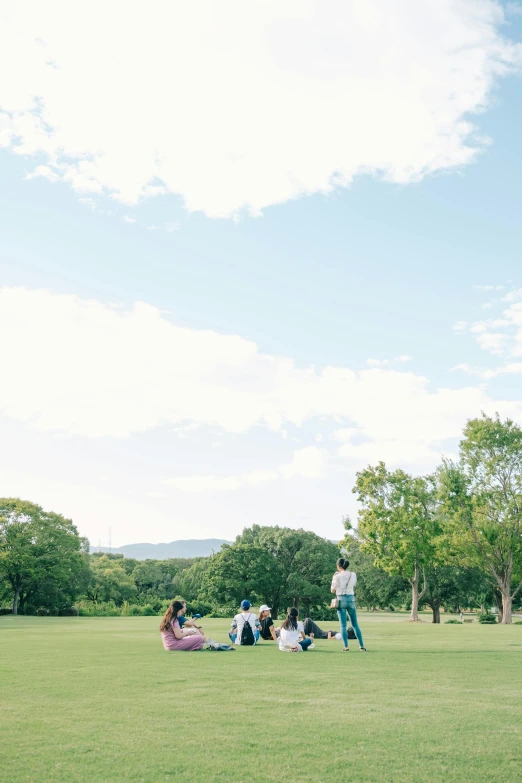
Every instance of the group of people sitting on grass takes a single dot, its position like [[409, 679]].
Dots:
[[180, 633]]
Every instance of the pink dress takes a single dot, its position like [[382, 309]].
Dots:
[[170, 642]]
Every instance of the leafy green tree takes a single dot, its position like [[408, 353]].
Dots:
[[376, 588], [189, 581], [481, 504], [110, 582], [40, 552], [397, 525], [239, 571], [147, 575], [301, 567]]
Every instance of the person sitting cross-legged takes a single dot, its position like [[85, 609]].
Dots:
[[292, 636], [268, 629], [245, 627]]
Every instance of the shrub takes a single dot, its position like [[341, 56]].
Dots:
[[68, 611], [148, 610], [5, 610], [485, 618], [88, 609], [223, 611], [517, 622], [324, 615], [453, 622], [42, 612]]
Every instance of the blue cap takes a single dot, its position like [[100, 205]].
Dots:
[[245, 604]]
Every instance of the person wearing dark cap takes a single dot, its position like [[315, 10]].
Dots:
[[238, 632]]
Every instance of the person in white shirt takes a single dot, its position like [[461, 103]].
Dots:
[[292, 636], [343, 582], [239, 622]]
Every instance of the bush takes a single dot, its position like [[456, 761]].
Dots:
[[485, 618], [223, 611], [42, 612], [5, 610], [68, 611], [517, 622], [324, 615], [88, 609], [453, 622]]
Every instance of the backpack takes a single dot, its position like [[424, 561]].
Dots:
[[351, 633], [247, 634]]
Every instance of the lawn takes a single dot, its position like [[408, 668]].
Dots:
[[99, 699]]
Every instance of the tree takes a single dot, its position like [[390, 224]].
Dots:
[[110, 582], [301, 567], [376, 588], [397, 524], [481, 498], [239, 571], [189, 581], [147, 575], [40, 553]]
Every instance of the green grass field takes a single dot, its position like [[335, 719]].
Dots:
[[100, 700]]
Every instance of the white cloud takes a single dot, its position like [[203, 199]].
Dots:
[[511, 368], [200, 484], [307, 463], [488, 287], [156, 495], [170, 227], [386, 362], [128, 219], [327, 91], [487, 306], [460, 326], [80, 367]]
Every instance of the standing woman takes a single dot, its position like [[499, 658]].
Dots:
[[343, 583]]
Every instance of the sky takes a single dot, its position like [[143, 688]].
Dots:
[[248, 249]]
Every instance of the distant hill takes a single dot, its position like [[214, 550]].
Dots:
[[192, 547]]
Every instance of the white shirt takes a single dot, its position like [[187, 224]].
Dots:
[[239, 621], [343, 582], [289, 639]]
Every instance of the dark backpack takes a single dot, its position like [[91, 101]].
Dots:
[[351, 633], [247, 634]]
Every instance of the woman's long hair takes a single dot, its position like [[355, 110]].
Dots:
[[290, 624], [260, 616], [170, 615], [343, 563]]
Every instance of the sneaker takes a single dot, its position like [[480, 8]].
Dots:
[[311, 646], [363, 649], [346, 649]]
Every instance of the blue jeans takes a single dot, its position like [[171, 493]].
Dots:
[[233, 636], [305, 644], [347, 604]]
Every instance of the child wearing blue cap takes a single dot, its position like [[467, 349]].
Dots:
[[245, 627]]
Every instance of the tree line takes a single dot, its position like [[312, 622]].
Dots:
[[452, 539]]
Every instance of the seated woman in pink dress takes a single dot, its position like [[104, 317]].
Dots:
[[176, 638]]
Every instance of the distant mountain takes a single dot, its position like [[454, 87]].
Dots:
[[192, 547]]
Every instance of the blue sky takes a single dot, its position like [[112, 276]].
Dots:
[[341, 305]]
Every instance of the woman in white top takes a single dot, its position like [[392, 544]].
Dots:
[[343, 583], [292, 637]]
